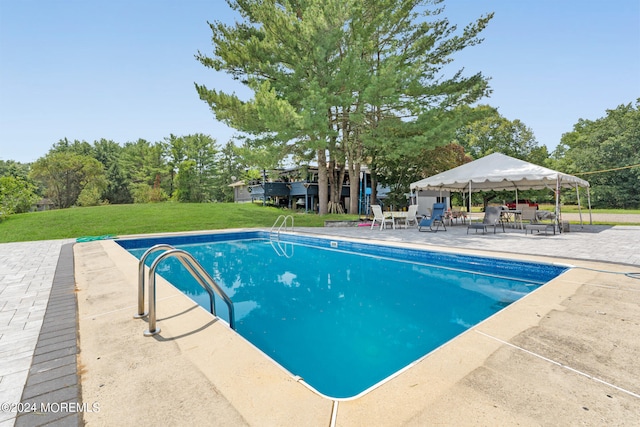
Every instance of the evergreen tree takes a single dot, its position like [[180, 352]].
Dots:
[[145, 167], [109, 154], [228, 170], [326, 74], [195, 158]]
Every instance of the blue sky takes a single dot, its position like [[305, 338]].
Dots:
[[125, 69]]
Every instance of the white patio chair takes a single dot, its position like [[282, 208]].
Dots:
[[380, 217], [412, 215]]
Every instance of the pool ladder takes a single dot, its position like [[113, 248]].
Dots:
[[282, 222], [193, 267], [274, 236]]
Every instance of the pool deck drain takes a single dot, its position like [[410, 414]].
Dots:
[[565, 354]]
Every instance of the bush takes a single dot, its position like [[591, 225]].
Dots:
[[17, 195], [143, 193], [89, 196]]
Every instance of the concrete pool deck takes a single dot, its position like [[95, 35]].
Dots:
[[566, 354]]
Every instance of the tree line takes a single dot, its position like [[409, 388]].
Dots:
[[194, 168], [190, 168], [605, 152]]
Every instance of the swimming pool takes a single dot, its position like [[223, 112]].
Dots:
[[346, 315]]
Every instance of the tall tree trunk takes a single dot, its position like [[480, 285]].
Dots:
[[323, 183], [355, 164], [354, 187], [374, 184], [336, 178], [331, 172], [337, 191]]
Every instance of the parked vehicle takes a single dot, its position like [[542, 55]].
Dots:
[[512, 204]]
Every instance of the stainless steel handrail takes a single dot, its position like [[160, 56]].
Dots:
[[282, 223], [201, 276], [143, 259]]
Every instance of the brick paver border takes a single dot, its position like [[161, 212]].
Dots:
[[52, 391]]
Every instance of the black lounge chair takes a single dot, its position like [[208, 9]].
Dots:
[[491, 218]]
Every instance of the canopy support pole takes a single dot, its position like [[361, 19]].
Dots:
[[558, 219], [579, 207], [589, 202], [464, 197]]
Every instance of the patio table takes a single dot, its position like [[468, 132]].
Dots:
[[513, 216], [398, 217]]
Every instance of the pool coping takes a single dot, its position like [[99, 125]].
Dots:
[[352, 413]]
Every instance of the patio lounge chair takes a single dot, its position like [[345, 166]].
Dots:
[[546, 227], [436, 218], [379, 216], [491, 219]]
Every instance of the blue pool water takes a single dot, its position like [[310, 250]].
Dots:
[[345, 318]]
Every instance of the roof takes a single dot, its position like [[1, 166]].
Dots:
[[498, 172]]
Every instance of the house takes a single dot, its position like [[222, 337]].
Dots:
[[241, 193], [426, 198], [42, 205], [297, 188]]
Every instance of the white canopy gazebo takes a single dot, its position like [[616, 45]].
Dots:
[[501, 172]]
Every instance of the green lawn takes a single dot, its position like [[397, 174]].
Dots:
[[165, 217], [147, 218], [574, 209]]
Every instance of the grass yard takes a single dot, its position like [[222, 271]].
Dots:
[[147, 218], [574, 209], [169, 217]]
